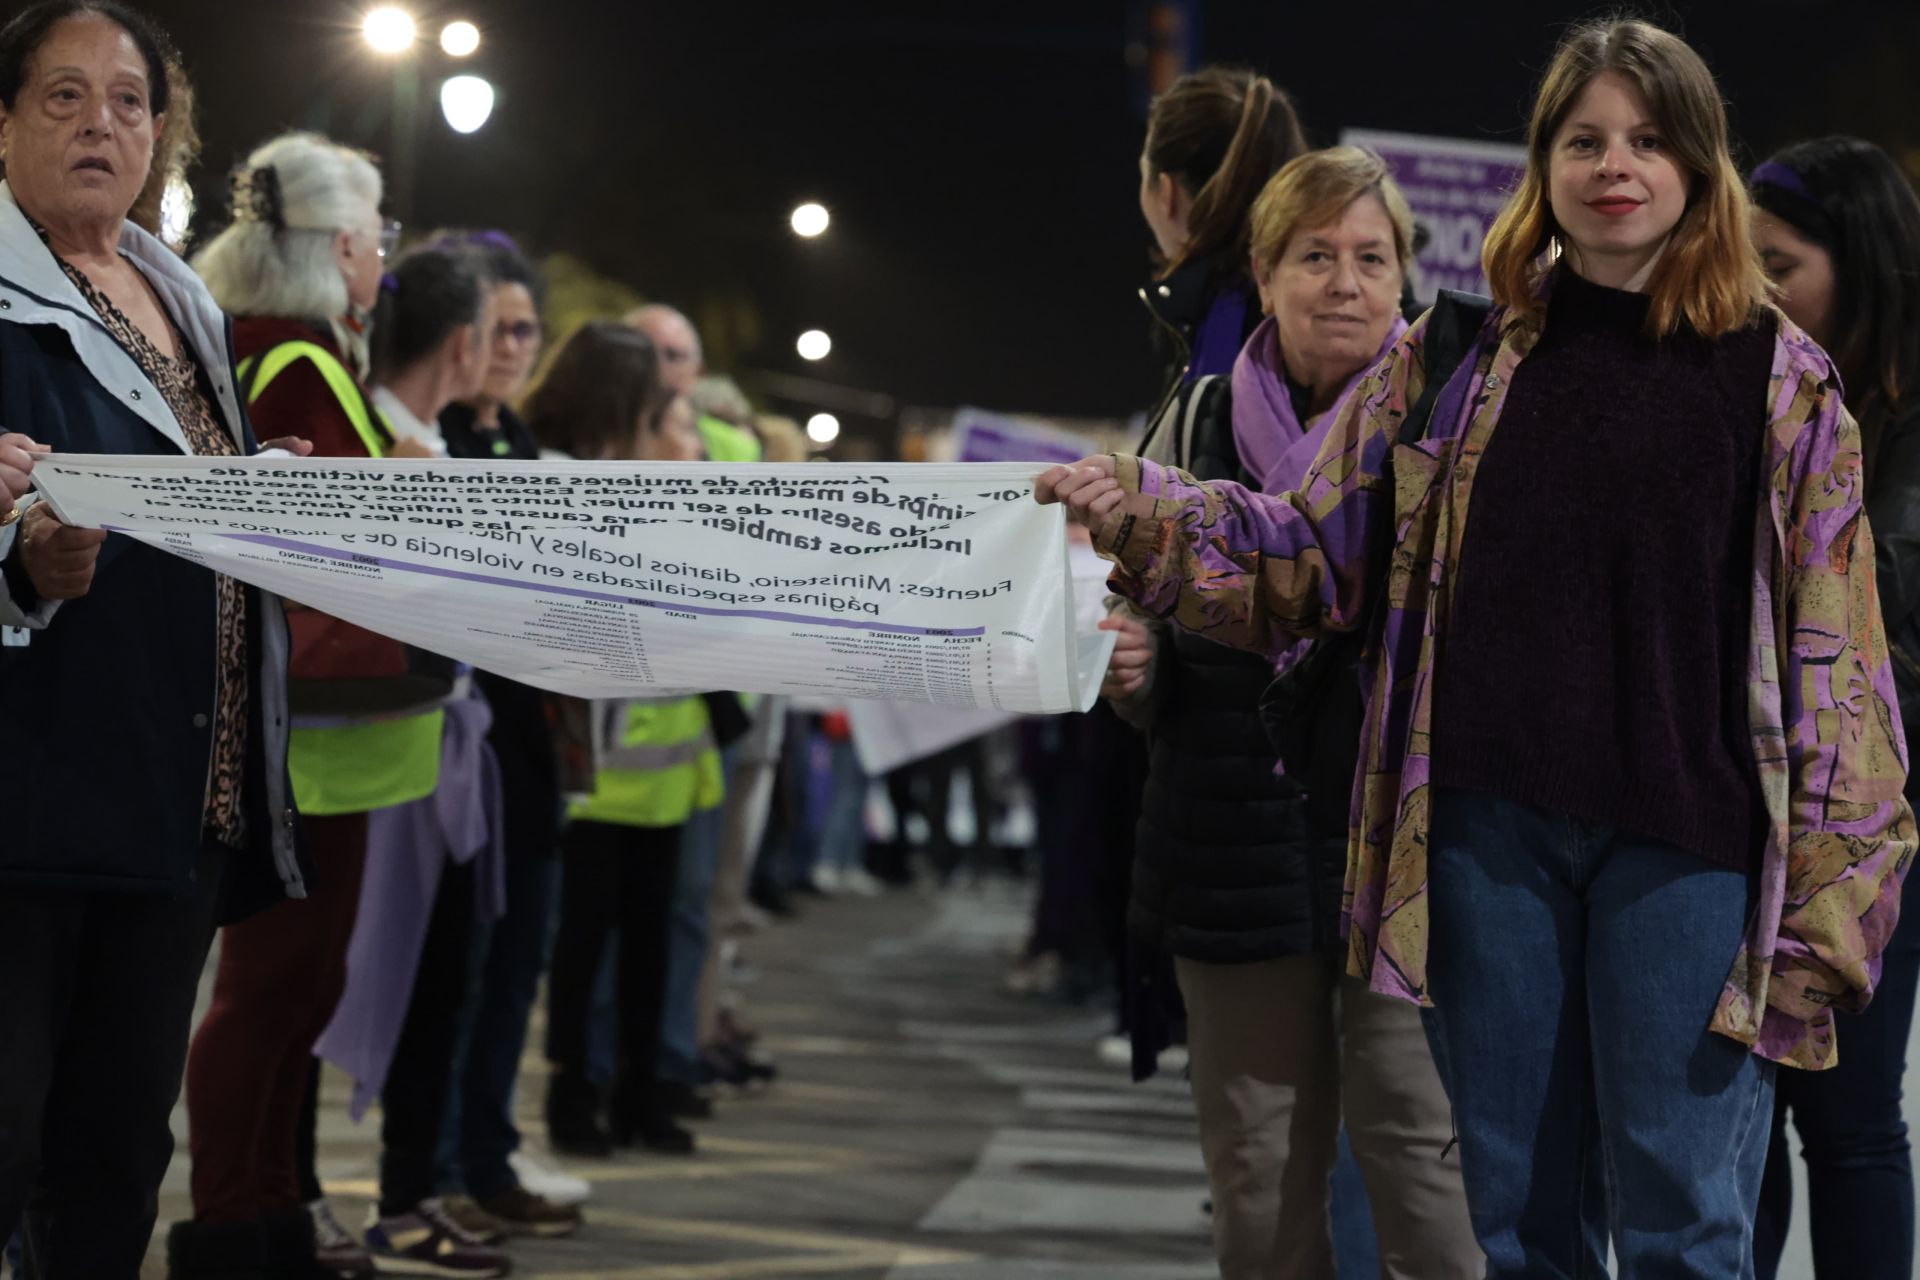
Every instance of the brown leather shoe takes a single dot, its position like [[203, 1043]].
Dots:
[[525, 1214], [474, 1220]]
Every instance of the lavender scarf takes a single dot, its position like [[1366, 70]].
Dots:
[[408, 846], [1274, 447]]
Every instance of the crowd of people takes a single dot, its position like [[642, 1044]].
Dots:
[[376, 833], [1550, 942]]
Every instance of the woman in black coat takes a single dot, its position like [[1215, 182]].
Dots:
[[1839, 230], [144, 696]]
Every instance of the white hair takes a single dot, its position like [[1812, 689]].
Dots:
[[256, 269], [718, 396]]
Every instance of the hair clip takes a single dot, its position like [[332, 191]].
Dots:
[[256, 196], [492, 239], [1775, 174]]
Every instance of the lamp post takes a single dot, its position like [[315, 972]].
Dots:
[[810, 219], [466, 100]]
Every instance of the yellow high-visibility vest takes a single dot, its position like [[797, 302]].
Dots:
[[656, 764], [351, 768]]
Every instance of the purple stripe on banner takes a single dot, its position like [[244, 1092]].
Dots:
[[407, 566]]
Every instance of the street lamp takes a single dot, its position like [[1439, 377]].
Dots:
[[810, 220], [466, 101], [176, 212], [459, 39], [389, 30], [814, 344], [823, 428]]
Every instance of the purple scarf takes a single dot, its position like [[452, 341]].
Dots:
[[1274, 448], [407, 847]]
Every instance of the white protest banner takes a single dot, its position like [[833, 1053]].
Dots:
[[887, 735], [945, 584]]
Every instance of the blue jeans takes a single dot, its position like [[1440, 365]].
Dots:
[[603, 1018], [843, 832], [478, 1133], [680, 1061], [1356, 1250], [1853, 1136], [1574, 968]]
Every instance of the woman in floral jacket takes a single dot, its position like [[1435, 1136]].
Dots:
[[1641, 832]]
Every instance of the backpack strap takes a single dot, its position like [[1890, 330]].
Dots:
[[257, 372], [1200, 400], [1452, 328]]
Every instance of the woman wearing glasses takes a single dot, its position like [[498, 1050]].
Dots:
[[300, 269]]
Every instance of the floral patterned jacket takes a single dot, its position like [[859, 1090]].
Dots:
[[1255, 571]]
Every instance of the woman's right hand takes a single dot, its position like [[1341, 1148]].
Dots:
[[17, 453], [408, 447], [1132, 657], [1087, 487], [58, 558]]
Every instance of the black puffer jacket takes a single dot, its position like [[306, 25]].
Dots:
[[1231, 864]]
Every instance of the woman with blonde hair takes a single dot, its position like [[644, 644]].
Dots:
[[1628, 814], [1237, 872]]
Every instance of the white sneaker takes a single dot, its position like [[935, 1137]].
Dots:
[[860, 883], [826, 880], [542, 1179], [1115, 1050]]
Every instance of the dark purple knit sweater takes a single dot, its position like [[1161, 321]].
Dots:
[[1595, 656]]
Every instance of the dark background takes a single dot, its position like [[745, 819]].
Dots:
[[979, 159]]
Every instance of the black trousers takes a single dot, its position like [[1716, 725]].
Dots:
[[414, 1102], [96, 1001], [612, 877]]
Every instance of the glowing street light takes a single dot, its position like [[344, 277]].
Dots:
[[814, 344], [459, 39], [466, 101], [389, 30], [176, 211], [810, 219], [823, 428]]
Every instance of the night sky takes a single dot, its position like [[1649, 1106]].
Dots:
[[979, 159]]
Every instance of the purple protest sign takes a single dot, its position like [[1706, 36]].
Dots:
[[981, 436], [1455, 186]]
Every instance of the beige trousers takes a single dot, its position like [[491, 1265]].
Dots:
[[1282, 1051]]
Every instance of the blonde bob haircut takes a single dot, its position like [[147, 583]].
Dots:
[[1315, 189], [1709, 276]]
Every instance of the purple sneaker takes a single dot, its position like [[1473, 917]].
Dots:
[[334, 1246], [428, 1242]]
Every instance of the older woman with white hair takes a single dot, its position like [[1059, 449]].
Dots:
[[300, 270], [146, 781]]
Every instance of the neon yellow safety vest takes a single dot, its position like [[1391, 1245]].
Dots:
[[258, 371], [351, 768], [656, 764], [728, 443]]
